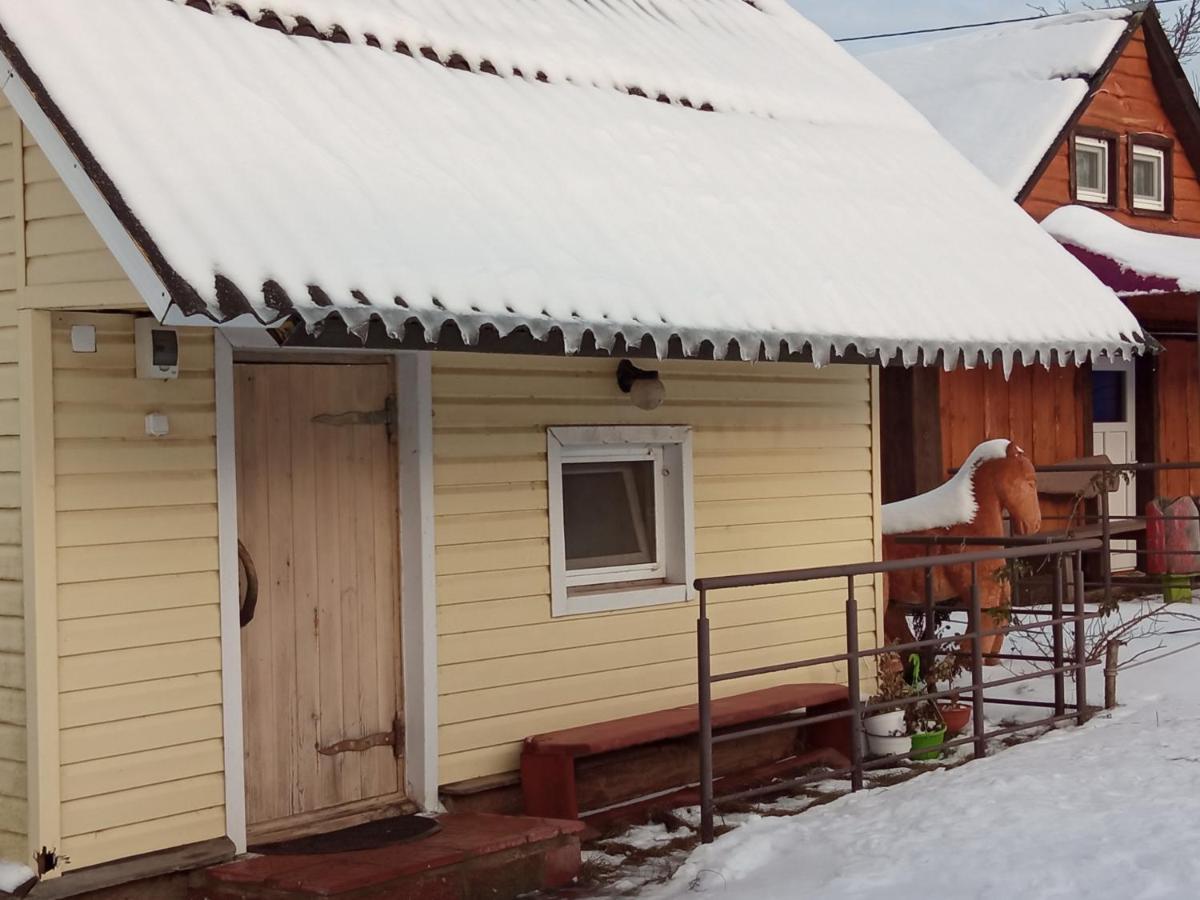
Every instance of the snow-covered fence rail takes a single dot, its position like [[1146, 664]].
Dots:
[[1061, 552]]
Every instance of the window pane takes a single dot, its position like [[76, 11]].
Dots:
[[1091, 169], [1147, 178], [1108, 396], [608, 514]]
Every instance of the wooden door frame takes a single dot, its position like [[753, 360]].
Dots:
[[418, 600]]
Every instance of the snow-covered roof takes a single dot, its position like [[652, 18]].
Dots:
[[949, 504], [504, 163], [1003, 94], [1128, 260]]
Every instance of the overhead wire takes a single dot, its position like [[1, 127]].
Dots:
[[960, 27]]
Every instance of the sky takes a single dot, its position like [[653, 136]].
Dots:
[[842, 18], [846, 18]]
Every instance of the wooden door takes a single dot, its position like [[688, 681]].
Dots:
[[321, 677], [1114, 433]]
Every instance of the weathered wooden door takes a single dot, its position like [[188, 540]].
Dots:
[[317, 512]]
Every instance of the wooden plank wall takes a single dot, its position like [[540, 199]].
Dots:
[[1038, 408], [783, 478], [138, 598], [1178, 399], [14, 790], [1041, 409]]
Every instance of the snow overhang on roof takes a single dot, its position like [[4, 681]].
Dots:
[[1003, 95], [505, 164], [1130, 261]]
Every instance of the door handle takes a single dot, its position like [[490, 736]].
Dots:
[[249, 600]]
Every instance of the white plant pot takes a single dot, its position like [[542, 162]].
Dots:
[[887, 745], [888, 724]]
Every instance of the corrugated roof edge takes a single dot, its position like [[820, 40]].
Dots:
[[339, 35], [693, 343]]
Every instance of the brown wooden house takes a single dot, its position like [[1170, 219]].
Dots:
[[1085, 110]]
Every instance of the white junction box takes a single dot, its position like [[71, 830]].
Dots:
[[156, 349], [157, 425], [83, 338]]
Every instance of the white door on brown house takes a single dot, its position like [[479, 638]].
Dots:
[[1114, 435], [317, 513]]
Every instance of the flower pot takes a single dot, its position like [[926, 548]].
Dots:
[[888, 724], [956, 716], [928, 739], [888, 745]]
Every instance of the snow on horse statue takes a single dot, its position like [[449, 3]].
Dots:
[[996, 478]]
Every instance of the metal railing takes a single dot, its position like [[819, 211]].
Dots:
[[854, 656]]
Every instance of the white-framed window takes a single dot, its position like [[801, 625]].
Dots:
[[1148, 178], [1091, 169], [621, 528]]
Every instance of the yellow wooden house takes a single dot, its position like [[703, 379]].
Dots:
[[335, 293]]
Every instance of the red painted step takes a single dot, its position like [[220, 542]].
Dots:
[[474, 855]]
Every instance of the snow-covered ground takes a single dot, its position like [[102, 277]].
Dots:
[[1109, 810]]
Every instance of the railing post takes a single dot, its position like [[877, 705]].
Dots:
[[929, 654], [1081, 714], [1060, 677], [852, 684], [976, 626], [704, 685], [1106, 538], [1111, 653]]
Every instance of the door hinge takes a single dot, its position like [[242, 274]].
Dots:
[[393, 738], [385, 417]]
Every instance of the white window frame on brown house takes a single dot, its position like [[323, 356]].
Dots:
[[626, 584], [1102, 196], [1161, 149], [1156, 202]]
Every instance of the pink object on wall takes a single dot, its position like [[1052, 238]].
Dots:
[[1172, 536]]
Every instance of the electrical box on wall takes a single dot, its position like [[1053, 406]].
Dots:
[[156, 349]]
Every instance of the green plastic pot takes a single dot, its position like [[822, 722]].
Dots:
[[1177, 588], [928, 739]]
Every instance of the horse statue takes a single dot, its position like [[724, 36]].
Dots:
[[996, 478]]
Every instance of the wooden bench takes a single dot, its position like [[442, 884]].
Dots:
[[548, 760]]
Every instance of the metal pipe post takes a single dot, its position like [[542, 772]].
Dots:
[[704, 685], [975, 626], [1060, 679], [930, 655], [1106, 538], [1080, 646], [1111, 654], [855, 689]]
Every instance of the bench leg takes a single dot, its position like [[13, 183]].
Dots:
[[835, 734], [548, 785]]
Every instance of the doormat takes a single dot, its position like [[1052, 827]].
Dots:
[[369, 836]]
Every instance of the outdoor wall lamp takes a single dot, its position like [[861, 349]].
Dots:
[[644, 387]]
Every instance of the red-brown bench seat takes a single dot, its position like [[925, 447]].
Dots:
[[548, 760]]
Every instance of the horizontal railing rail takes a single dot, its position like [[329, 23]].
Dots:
[[854, 656]]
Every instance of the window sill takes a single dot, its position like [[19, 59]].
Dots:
[[1096, 204], [1151, 213], [610, 599]]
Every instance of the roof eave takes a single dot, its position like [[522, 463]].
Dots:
[[86, 181]]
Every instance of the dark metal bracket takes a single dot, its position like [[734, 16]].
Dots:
[[393, 739]]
